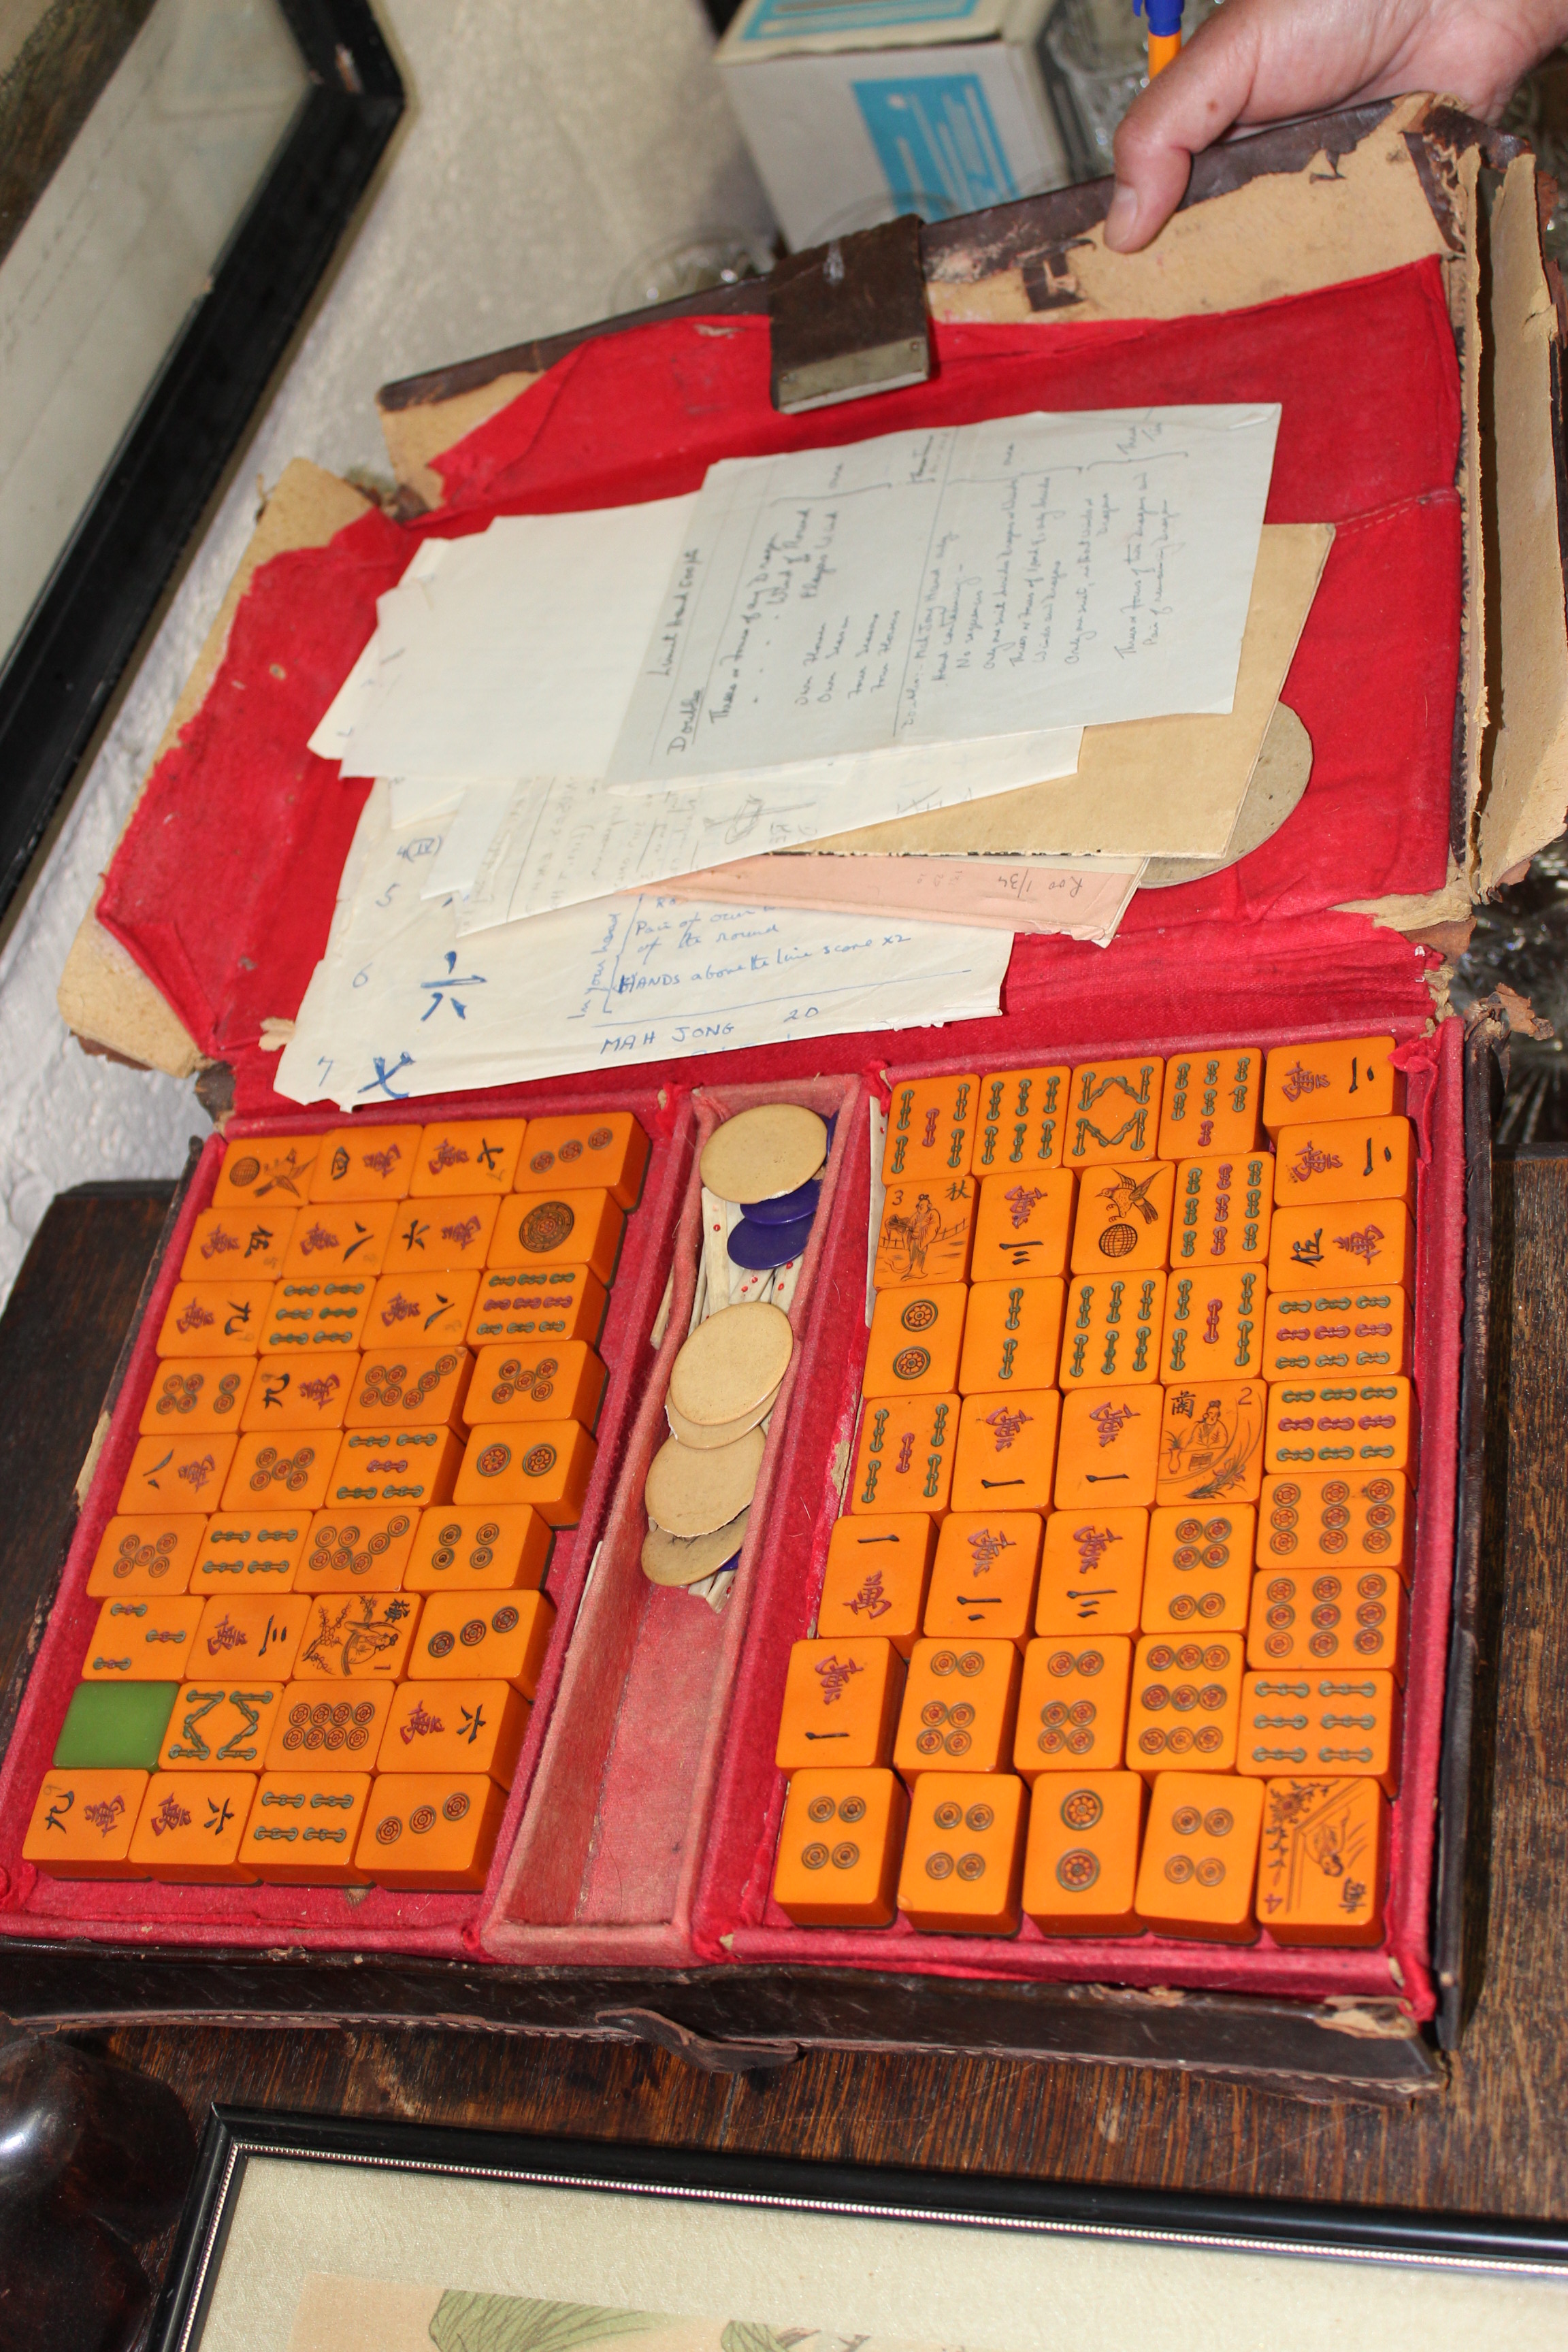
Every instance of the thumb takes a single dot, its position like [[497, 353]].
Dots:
[[1191, 104]]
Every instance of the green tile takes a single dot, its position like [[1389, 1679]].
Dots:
[[115, 1723]]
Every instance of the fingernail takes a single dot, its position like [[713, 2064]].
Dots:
[[1121, 220]]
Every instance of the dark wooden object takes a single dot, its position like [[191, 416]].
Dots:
[[850, 317]]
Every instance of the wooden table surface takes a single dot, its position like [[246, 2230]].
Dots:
[[1492, 2142]]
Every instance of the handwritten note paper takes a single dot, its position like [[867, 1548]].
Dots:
[[932, 587], [400, 1007], [1013, 894]]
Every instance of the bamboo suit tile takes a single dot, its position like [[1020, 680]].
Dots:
[[987, 1564], [304, 1826], [545, 1463], [903, 1456], [1348, 1246], [195, 1395], [240, 1632], [1020, 1125], [1110, 1332], [250, 1551], [395, 1463], [1357, 1332], [1324, 1859], [1012, 1335], [840, 1844], [82, 1823], [222, 1723], [1072, 1708], [1123, 1220], [1223, 1211], [502, 1636], [1022, 1226], [1213, 1323], [1212, 1102], [1317, 1520], [1346, 1723], [1332, 1079], [239, 1243], [421, 1310], [930, 1122], [840, 1703], [960, 1707], [591, 1147], [317, 1316], [478, 1547], [963, 1854], [285, 1472], [537, 1230], [876, 1578], [214, 1318], [278, 1171], [915, 1336], [357, 1637], [190, 1828], [456, 1727], [450, 1237], [1080, 1864], [177, 1471], [366, 1548], [137, 1640], [457, 1156], [339, 1722], [1198, 1578], [364, 1163], [1336, 1161], [1328, 1618], [1211, 1442], [1185, 1707], [431, 1829], [925, 1233], [145, 1551], [1110, 1447], [567, 1302], [293, 1396], [424, 1385], [1006, 1453], [1341, 1425], [1113, 1112], [349, 1237], [1199, 1864], [1091, 1572]]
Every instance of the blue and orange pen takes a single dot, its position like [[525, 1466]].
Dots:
[[1164, 31]]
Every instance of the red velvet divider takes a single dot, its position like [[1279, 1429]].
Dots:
[[223, 887]]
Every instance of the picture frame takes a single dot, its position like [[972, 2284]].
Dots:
[[57, 676], [301, 2231]]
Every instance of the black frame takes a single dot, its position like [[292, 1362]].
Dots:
[[1356, 2233], [58, 679]]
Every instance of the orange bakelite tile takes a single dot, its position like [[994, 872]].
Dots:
[[1111, 1331], [366, 1548], [537, 1230], [1080, 1864], [278, 1171], [177, 1471], [982, 1585], [545, 1463], [903, 1457], [1200, 1857], [925, 1233], [1213, 1323], [963, 1854], [349, 1238], [1113, 1112], [190, 1828], [1072, 1706], [1212, 1103], [1022, 1226], [238, 1243], [1352, 1159], [1123, 1221], [146, 1551], [1184, 1713], [1337, 1078], [457, 1156], [546, 1379], [286, 1472], [414, 1468], [1198, 1578], [498, 1636], [841, 1704], [296, 1396], [1346, 1723], [456, 1727], [242, 1633], [915, 1336], [960, 1705], [568, 1302], [591, 1148], [1012, 1335], [214, 1318], [434, 1830], [1314, 1333], [1018, 1128], [423, 1385], [250, 1551], [1340, 1426], [1091, 1572], [195, 1396], [1317, 1520], [137, 1640], [876, 1578], [1362, 1244], [448, 1236], [364, 1163], [1006, 1452], [1323, 1860], [316, 1318], [1329, 1617], [1110, 1447], [421, 1310], [840, 1844], [1223, 1211], [339, 1722], [304, 1826], [475, 1548], [357, 1637], [82, 1823], [222, 1722], [1211, 1442], [930, 1122]]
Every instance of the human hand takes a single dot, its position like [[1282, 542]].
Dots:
[[1259, 60]]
